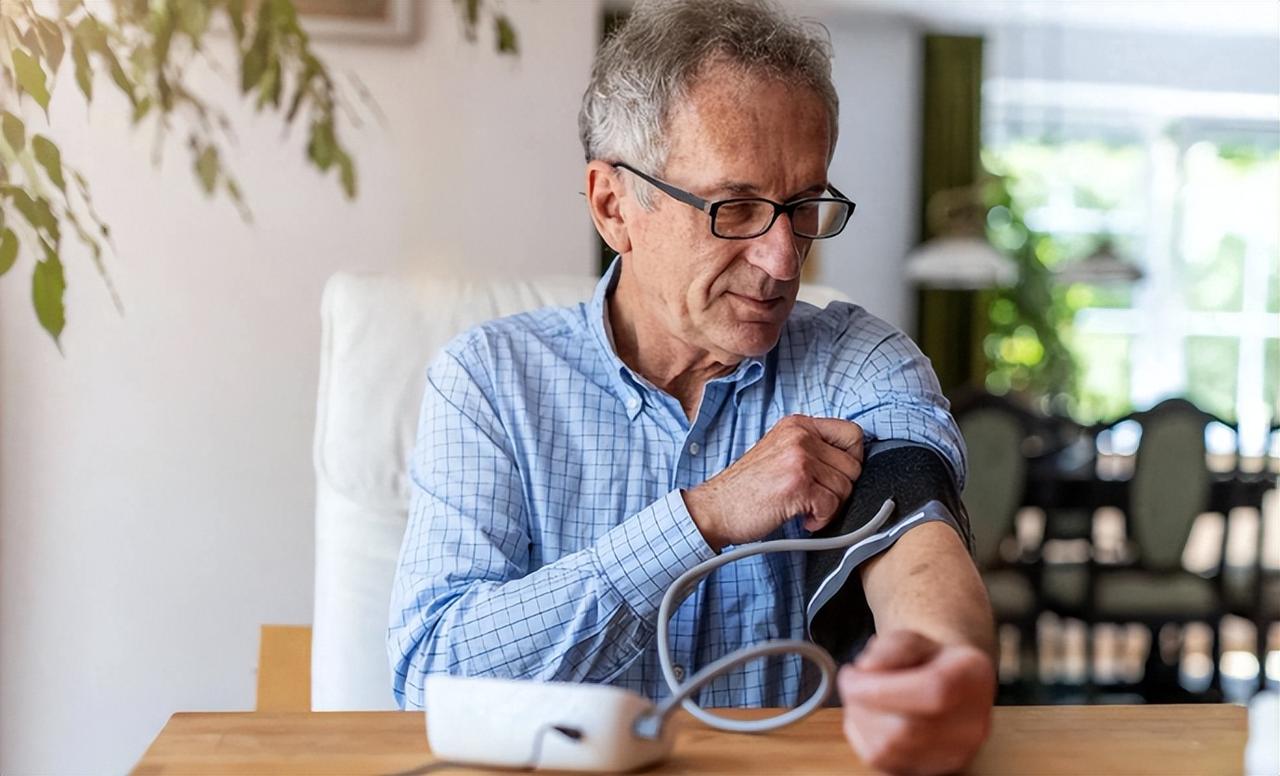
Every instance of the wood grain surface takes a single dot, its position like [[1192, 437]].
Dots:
[[1166, 740]]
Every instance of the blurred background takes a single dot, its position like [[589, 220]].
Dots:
[[1072, 206]]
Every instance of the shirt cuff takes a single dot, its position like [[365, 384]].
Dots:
[[650, 550]]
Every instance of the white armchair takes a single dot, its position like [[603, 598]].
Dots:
[[379, 333]]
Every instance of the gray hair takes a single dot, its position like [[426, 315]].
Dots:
[[650, 64]]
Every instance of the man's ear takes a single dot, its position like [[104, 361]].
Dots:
[[604, 200]]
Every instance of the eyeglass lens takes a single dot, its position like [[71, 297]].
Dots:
[[814, 218]]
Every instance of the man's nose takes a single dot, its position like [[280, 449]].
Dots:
[[778, 251]]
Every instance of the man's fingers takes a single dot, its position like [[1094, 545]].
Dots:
[[896, 650], [912, 691], [929, 689], [844, 434], [828, 493], [843, 461]]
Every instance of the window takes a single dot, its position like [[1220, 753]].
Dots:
[[1187, 187]]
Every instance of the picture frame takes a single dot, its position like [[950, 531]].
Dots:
[[362, 21]]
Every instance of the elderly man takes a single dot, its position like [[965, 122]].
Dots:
[[573, 462]]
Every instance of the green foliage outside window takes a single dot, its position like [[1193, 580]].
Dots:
[[1215, 199], [1032, 347]]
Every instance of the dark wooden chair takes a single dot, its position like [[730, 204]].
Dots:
[[1253, 591], [994, 430], [1169, 490]]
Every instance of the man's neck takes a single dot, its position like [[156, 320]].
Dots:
[[669, 363]]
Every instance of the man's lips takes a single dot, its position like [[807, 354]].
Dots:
[[758, 305]]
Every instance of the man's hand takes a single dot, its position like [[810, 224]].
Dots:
[[802, 466], [912, 705]]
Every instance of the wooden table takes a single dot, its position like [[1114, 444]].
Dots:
[[1166, 740]]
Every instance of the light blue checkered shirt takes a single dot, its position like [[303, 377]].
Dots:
[[547, 520]]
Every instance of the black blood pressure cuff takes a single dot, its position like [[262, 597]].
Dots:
[[923, 490]]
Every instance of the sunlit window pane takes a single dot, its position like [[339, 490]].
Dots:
[[1102, 391], [1229, 193], [1212, 367]]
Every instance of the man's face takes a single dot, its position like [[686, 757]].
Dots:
[[735, 136]]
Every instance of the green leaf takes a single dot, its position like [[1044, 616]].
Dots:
[[193, 19], [286, 16], [51, 38], [50, 159], [323, 146], [15, 132], [8, 250], [234, 192], [235, 12], [269, 87], [506, 35], [471, 12], [277, 84], [48, 287], [304, 84], [84, 76], [165, 93], [118, 75], [142, 109], [31, 40], [91, 36], [207, 168], [36, 211], [254, 64], [257, 57], [30, 77], [163, 37], [90, 33], [347, 173]]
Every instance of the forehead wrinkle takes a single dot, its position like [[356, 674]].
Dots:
[[711, 126]]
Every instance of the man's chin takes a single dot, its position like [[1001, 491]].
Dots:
[[752, 339]]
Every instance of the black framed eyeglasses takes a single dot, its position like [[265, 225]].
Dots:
[[743, 218]]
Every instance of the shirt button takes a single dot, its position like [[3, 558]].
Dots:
[[632, 403], [679, 673], [694, 448]]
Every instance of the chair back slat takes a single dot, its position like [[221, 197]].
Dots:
[[997, 471], [1171, 482]]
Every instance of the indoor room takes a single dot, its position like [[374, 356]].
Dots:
[[356, 355]]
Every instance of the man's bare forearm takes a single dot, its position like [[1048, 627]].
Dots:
[[926, 582]]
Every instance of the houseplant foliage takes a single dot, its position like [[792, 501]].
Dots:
[[1025, 348], [147, 48]]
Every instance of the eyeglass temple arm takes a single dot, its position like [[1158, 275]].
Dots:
[[680, 194]]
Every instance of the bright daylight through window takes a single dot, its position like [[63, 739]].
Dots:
[[1184, 186]]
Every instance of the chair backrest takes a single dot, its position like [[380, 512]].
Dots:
[[1171, 481], [378, 335], [997, 467]]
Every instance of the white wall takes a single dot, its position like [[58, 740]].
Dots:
[[877, 70], [156, 483]]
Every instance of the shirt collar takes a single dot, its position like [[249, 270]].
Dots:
[[627, 391], [630, 387]]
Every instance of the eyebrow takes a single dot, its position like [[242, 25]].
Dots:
[[743, 189]]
